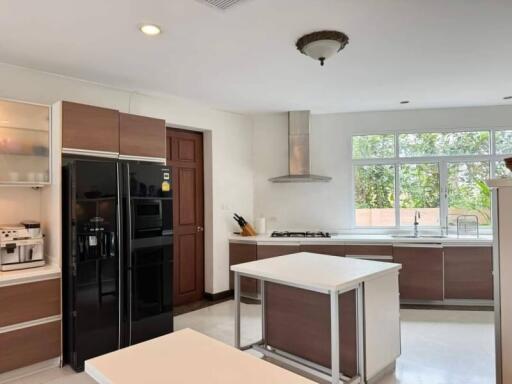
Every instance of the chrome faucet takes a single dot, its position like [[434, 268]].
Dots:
[[417, 216]]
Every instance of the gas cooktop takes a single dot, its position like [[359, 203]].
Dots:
[[308, 234]]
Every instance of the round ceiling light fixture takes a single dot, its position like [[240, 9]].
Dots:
[[322, 44], [150, 29]]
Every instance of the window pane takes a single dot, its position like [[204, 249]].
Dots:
[[468, 193], [447, 144], [419, 144], [466, 143], [502, 170], [419, 191], [375, 195], [503, 142], [373, 146]]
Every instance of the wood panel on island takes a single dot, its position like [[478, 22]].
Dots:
[[30, 323]]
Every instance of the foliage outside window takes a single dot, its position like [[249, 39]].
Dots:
[[447, 144], [373, 146], [503, 142], [375, 195], [440, 174], [468, 193], [419, 191]]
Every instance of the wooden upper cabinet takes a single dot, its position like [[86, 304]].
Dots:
[[141, 136], [90, 128]]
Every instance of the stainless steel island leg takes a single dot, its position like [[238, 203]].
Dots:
[[361, 344], [335, 338], [237, 309], [263, 331]]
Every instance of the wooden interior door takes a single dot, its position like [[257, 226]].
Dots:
[[185, 157]]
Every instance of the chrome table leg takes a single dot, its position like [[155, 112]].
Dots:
[[237, 310], [335, 338]]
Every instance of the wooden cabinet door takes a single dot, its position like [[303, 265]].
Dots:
[[370, 251], [141, 136], [238, 254], [324, 249], [89, 128], [185, 157], [27, 346], [421, 276], [468, 273], [267, 251], [31, 301]]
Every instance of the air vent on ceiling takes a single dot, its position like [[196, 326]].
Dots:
[[222, 4]]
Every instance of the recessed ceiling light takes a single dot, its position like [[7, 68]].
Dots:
[[150, 29], [405, 102], [507, 98]]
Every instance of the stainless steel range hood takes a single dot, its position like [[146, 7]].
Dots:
[[298, 151]]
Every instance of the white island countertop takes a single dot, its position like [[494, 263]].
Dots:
[[186, 356], [316, 272], [29, 275], [482, 240]]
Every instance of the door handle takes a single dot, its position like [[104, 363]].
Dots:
[[200, 229]]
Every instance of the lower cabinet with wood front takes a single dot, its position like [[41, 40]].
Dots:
[[30, 324], [421, 276], [432, 273]]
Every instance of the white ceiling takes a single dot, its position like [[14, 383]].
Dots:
[[436, 53]]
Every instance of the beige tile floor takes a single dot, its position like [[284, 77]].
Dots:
[[438, 347]]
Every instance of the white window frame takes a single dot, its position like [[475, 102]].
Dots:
[[443, 161]]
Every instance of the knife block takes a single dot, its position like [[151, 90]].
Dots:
[[248, 230]]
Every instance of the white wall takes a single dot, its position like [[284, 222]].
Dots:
[[228, 162], [328, 206]]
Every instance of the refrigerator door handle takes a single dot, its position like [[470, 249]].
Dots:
[[119, 257], [129, 253]]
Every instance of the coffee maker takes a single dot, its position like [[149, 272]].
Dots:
[[21, 246]]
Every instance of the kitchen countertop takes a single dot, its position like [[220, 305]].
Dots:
[[314, 271], [485, 240], [186, 356], [22, 276]]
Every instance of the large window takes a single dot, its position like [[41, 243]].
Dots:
[[439, 174]]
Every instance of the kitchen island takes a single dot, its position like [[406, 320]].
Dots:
[[189, 357], [334, 317]]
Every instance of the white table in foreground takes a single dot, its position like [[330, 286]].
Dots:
[[189, 357], [377, 308]]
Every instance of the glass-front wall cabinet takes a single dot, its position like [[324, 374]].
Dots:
[[24, 143]]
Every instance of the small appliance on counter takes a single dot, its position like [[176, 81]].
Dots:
[[21, 246]]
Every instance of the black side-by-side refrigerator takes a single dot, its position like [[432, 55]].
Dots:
[[117, 255]]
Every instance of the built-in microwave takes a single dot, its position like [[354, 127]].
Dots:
[[148, 220]]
